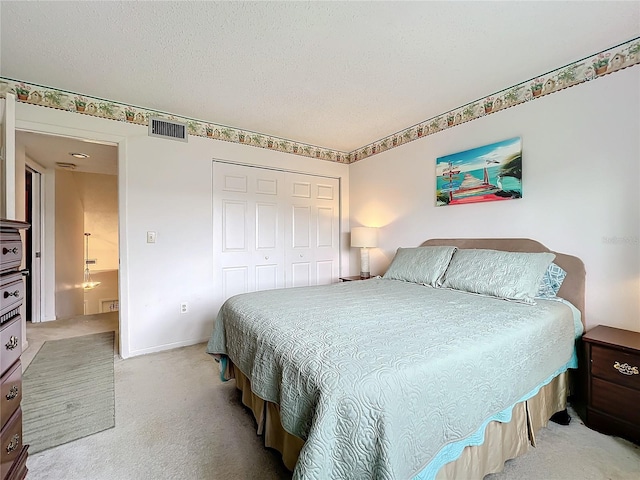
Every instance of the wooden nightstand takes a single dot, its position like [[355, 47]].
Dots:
[[613, 381], [354, 278]]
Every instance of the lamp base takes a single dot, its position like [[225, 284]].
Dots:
[[364, 263]]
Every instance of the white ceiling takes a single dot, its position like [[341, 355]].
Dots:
[[47, 150], [333, 74]]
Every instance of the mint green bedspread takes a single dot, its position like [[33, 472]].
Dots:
[[378, 376]]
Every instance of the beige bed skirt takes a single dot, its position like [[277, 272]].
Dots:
[[503, 441]]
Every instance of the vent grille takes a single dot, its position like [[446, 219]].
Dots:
[[66, 166], [165, 129]]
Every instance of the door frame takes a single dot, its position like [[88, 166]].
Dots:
[[123, 270], [37, 229]]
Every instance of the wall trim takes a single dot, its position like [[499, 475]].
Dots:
[[624, 55], [167, 346]]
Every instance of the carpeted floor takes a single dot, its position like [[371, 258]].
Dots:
[[175, 419], [68, 391]]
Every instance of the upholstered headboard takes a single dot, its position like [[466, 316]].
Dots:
[[573, 286]]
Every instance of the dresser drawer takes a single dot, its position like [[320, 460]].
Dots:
[[10, 251], [10, 392], [11, 292], [10, 342], [620, 367], [621, 402], [10, 442]]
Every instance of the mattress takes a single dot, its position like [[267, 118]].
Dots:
[[360, 370]]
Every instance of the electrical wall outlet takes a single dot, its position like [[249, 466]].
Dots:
[[184, 308]]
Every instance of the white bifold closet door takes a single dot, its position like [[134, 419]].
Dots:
[[273, 229]]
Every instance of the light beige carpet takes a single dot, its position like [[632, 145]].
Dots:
[[68, 391]]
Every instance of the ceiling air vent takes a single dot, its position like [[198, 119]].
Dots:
[[162, 128], [66, 166]]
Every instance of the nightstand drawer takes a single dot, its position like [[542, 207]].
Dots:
[[619, 367], [621, 402]]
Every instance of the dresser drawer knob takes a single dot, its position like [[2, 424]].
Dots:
[[13, 250], [13, 342], [13, 393], [15, 293], [14, 443], [626, 369]]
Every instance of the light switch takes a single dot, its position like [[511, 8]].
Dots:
[[151, 237]]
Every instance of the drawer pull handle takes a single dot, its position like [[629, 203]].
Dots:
[[14, 443], [15, 293], [13, 393], [626, 369], [13, 342], [13, 250]]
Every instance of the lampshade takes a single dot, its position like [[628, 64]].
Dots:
[[364, 237]]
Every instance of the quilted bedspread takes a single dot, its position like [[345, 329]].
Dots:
[[378, 376]]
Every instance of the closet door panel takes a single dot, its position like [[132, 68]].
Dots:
[[325, 227], [301, 227], [234, 226], [235, 280], [273, 229], [247, 229], [301, 274], [312, 229]]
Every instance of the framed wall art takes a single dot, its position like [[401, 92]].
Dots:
[[483, 174]]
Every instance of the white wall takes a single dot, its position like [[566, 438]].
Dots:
[[69, 239], [581, 183], [166, 186], [99, 195]]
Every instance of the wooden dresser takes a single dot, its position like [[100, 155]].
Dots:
[[13, 455], [613, 381]]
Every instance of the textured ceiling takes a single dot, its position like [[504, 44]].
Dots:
[[333, 74]]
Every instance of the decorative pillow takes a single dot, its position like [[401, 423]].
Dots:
[[424, 265], [551, 281], [507, 275]]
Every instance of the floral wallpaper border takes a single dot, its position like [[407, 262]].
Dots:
[[97, 107], [608, 61]]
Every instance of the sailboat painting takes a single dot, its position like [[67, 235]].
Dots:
[[483, 174]]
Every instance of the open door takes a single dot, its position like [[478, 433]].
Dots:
[[8, 156]]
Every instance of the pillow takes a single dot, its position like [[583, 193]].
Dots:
[[424, 265], [551, 282], [506, 275]]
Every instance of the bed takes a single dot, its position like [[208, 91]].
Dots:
[[414, 375]]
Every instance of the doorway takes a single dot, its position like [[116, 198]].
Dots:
[[71, 188]]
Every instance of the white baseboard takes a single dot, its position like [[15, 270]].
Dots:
[[168, 346]]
